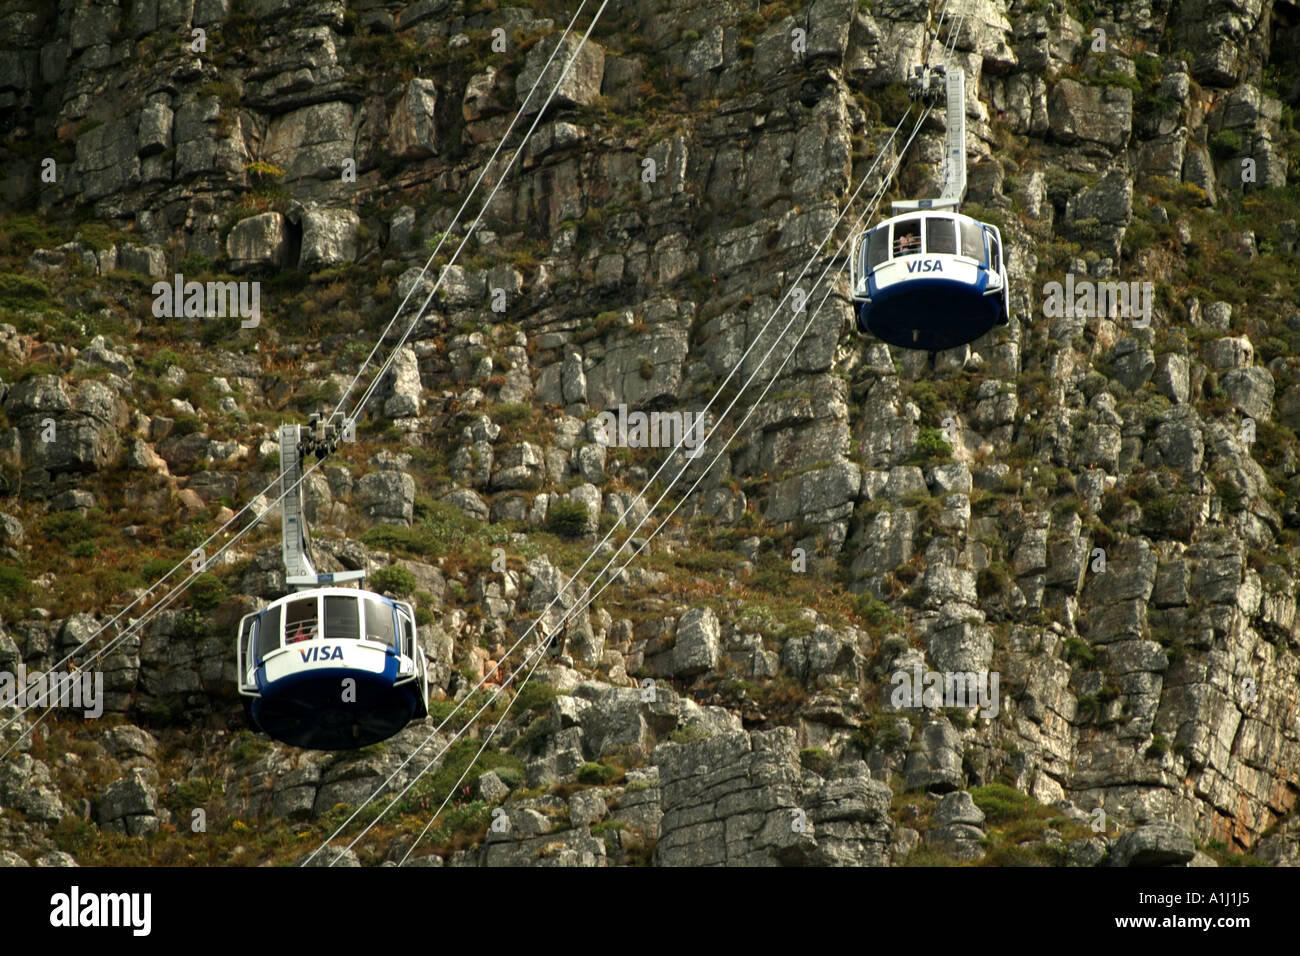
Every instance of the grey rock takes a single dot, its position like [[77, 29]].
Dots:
[[55, 858], [129, 806], [312, 142], [587, 807], [387, 497], [957, 807], [1154, 844], [155, 130], [935, 763], [1171, 377], [491, 788], [413, 129], [1096, 114], [1250, 390], [405, 391], [520, 465], [258, 242], [573, 379], [331, 856], [822, 495], [329, 238], [698, 642], [150, 260], [100, 353], [1109, 200], [581, 85], [468, 502]]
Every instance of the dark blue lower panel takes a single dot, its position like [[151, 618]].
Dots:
[[939, 317], [308, 710]]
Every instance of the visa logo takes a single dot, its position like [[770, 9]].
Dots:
[[925, 265], [315, 654]]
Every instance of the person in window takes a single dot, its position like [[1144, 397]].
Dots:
[[303, 633], [907, 244]]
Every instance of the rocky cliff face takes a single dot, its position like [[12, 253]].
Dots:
[[1097, 511]]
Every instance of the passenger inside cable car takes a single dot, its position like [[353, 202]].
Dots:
[[300, 621], [907, 237]]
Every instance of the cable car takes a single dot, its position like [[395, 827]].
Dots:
[[298, 655], [327, 668], [929, 277], [930, 280]]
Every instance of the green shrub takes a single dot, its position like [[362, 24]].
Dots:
[[1001, 803], [196, 265], [1117, 78], [186, 425], [33, 369], [1225, 144], [247, 748], [13, 583], [461, 756], [568, 519], [817, 760], [444, 528], [995, 578], [31, 232], [68, 527], [876, 612], [190, 624], [394, 579], [597, 773], [188, 795], [1062, 185], [535, 696], [1078, 651], [155, 568], [931, 446], [513, 777], [19, 291], [1089, 229], [510, 413], [206, 591]]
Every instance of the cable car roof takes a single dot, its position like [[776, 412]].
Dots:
[[927, 214], [328, 592]]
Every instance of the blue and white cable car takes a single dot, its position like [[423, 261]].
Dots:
[[929, 277], [327, 668], [930, 280]]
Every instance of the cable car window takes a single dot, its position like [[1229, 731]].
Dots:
[[300, 621], [379, 623], [995, 251], [907, 237], [408, 637], [940, 236], [877, 248], [268, 631], [342, 618], [972, 240], [248, 640]]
